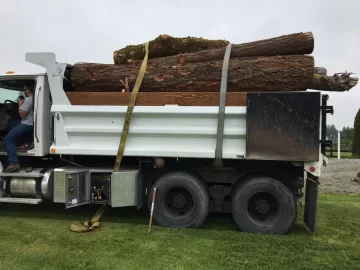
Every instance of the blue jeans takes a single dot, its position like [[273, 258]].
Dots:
[[16, 130]]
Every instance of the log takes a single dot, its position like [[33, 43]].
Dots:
[[298, 43], [165, 45], [275, 73], [336, 83], [155, 99]]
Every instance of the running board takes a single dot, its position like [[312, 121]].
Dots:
[[22, 174], [20, 200], [28, 153]]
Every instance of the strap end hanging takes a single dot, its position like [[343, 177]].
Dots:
[[221, 115]]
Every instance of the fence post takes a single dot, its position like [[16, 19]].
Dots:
[[339, 145]]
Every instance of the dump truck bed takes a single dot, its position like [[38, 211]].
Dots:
[[273, 126], [166, 131]]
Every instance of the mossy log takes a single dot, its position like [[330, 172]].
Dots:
[[275, 73], [193, 50], [165, 45]]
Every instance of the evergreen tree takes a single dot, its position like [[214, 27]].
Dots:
[[331, 132], [347, 136], [356, 138]]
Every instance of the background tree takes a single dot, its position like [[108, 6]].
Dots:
[[356, 138], [347, 136], [331, 132]]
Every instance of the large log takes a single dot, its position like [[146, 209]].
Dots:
[[165, 45], [275, 73], [336, 83], [298, 43], [155, 98]]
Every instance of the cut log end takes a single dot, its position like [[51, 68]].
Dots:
[[339, 82]]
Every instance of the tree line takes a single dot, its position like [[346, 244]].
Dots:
[[349, 136]]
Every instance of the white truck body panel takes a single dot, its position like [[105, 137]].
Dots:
[[163, 131]]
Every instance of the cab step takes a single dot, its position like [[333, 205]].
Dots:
[[22, 174], [20, 200]]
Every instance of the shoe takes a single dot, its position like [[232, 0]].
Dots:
[[29, 146], [12, 168]]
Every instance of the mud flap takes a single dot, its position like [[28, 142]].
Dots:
[[311, 195]]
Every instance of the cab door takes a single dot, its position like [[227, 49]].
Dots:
[[11, 86], [43, 134]]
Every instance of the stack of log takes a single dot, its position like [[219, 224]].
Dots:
[[187, 71]]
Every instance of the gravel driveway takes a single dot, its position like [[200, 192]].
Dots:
[[338, 176]]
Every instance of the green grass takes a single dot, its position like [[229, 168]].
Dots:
[[37, 237], [342, 154]]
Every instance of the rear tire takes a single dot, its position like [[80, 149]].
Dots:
[[263, 205], [182, 201]]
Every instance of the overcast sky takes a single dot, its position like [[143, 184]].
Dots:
[[89, 31]]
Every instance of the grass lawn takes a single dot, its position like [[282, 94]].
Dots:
[[342, 154], [37, 237]]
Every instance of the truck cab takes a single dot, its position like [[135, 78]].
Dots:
[[11, 87]]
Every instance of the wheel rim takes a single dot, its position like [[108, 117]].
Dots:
[[263, 209], [178, 204]]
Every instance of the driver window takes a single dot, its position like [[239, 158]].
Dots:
[[7, 94], [10, 90]]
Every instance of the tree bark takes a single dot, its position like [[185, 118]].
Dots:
[[276, 73], [298, 43], [335, 83], [165, 45]]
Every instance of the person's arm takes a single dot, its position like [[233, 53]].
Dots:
[[24, 107]]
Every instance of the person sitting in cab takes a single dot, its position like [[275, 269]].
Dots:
[[19, 128]]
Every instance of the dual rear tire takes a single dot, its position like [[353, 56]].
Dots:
[[263, 205], [259, 204]]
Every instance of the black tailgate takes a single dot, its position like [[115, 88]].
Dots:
[[283, 126]]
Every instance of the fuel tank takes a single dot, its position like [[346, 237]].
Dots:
[[26, 187]]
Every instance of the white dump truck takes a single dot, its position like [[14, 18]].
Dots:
[[254, 166]]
